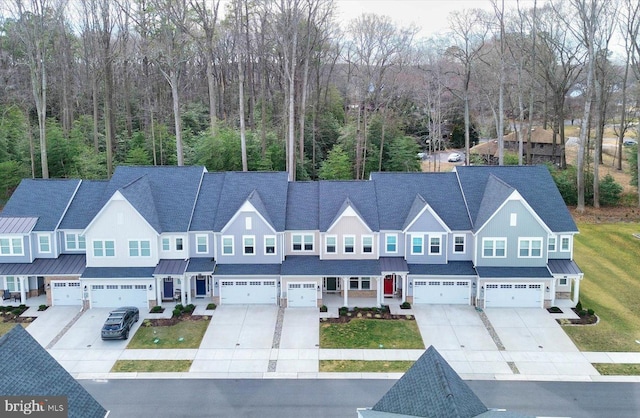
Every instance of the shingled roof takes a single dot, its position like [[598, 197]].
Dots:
[[85, 204], [335, 195], [27, 369]]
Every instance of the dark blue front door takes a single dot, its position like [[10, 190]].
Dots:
[[201, 286], [168, 288]]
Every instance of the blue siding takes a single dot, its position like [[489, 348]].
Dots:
[[26, 249], [193, 244]]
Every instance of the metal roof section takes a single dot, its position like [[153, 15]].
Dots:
[[204, 265], [393, 265], [568, 267], [17, 225], [27, 368], [118, 273], [247, 270], [513, 273], [452, 268], [170, 267], [306, 265], [64, 265]]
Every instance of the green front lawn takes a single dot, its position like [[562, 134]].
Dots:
[[608, 255], [361, 366], [371, 333], [184, 334], [619, 369], [154, 366], [7, 326]]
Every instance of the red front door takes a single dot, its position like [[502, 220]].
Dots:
[[388, 285]]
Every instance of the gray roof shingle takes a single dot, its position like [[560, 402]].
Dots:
[[204, 214], [170, 266], [431, 388], [303, 206], [495, 194], [333, 195], [247, 270], [201, 265], [28, 369], [396, 193], [85, 204], [534, 183], [45, 199], [514, 272], [118, 272], [452, 268]]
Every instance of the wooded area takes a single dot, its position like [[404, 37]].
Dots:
[[278, 85]]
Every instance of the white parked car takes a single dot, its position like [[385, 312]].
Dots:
[[454, 157], [630, 142]]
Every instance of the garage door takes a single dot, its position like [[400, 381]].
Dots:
[[302, 295], [454, 292], [114, 295], [513, 295], [66, 293], [248, 292]]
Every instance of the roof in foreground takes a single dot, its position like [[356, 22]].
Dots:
[[28, 369]]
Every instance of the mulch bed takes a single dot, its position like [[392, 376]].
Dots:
[[167, 322], [366, 313], [12, 314], [585, 319]]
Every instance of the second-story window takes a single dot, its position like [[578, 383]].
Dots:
[[44, 246], [416, 244], [565, 243], [202, 245], [269, 244], [11, 246], [349, 244], [179, 245], [74, 241], [105, 248], [434, 245], [227, 245], [392, 243], [458, 244], [530, 247], [302, 242], [139, 248], [367, 244], [166, 244], [551, 246], [248, 245], [494, 247], [331, 244]]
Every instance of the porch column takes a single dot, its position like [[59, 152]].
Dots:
[[188, 280], [345, 290], [378, 291], [23, 289], [159, 282], [405, 286], [576, 290]]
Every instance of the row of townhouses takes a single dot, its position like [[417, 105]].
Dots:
[[484, 236]]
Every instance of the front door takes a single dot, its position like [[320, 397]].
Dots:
[[168, 288], [388, 285], [201, 286], [332, 284]]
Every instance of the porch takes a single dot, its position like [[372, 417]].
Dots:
[[29, 301]]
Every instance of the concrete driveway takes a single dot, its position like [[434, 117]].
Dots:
[[299, 341], [452, 327], [51, 322], [241, 326]]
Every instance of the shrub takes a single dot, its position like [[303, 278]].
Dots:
[[190, 308], [405, 305], [582, 313], [211, 306], [343, 311], [591, 312], [323, 308], [157, 309], [610, 191], [42, 307], [17, 311], [579, 306], [180, 307], [177, 312]]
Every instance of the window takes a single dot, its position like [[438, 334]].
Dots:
[[513, 221], [434, 245], [331, 244], [11, 246], [247, 223], [392, 243], [269, 245], [565, 243], [202, 245], [416, 244], [349, 244], [179, 246], [71, 241], [563, 281], [139, 249], [44, 246], [302, 242], [13, 284], [530, 247], [227, 245], [551, 246], [166, 244], [104, 248], [367, 244], [494, 247], [248, 245], [82, 244], [458, 244], [359, 283]]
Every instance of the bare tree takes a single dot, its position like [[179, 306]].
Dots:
[[632, 25]]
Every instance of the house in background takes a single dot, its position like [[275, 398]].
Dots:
[[542, 148], [484, 236]]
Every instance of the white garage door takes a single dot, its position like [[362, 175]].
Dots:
[[513, 295], [302, 295], [66, 293], [115, 295], [454, 292], [248, 292]]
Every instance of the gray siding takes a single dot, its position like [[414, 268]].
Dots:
[[35, 245], [193, 244], [237, 229], [350, 226], [425, 257], [468, 247], [400, 244], [499, 227], [26, 249]]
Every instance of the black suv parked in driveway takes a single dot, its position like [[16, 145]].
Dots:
[[119, 323]]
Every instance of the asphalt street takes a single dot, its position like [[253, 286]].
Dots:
[[268, 398]]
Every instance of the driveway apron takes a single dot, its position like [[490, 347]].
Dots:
[[51, 322], [299, 341]]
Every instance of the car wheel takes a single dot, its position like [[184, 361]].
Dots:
[[126, 334]]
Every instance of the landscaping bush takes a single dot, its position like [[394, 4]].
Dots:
[[189, 308], [177, 312], [591, 312], [180, 307], [582, 313], [42, 307], [610, 191], [157, 309], [343, 311], [579, 306], [323, 308], [212, 306], [405, 305], [17, 311]]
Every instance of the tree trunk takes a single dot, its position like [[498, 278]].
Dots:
[[176, 116], [243, 141], [623, 114]]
